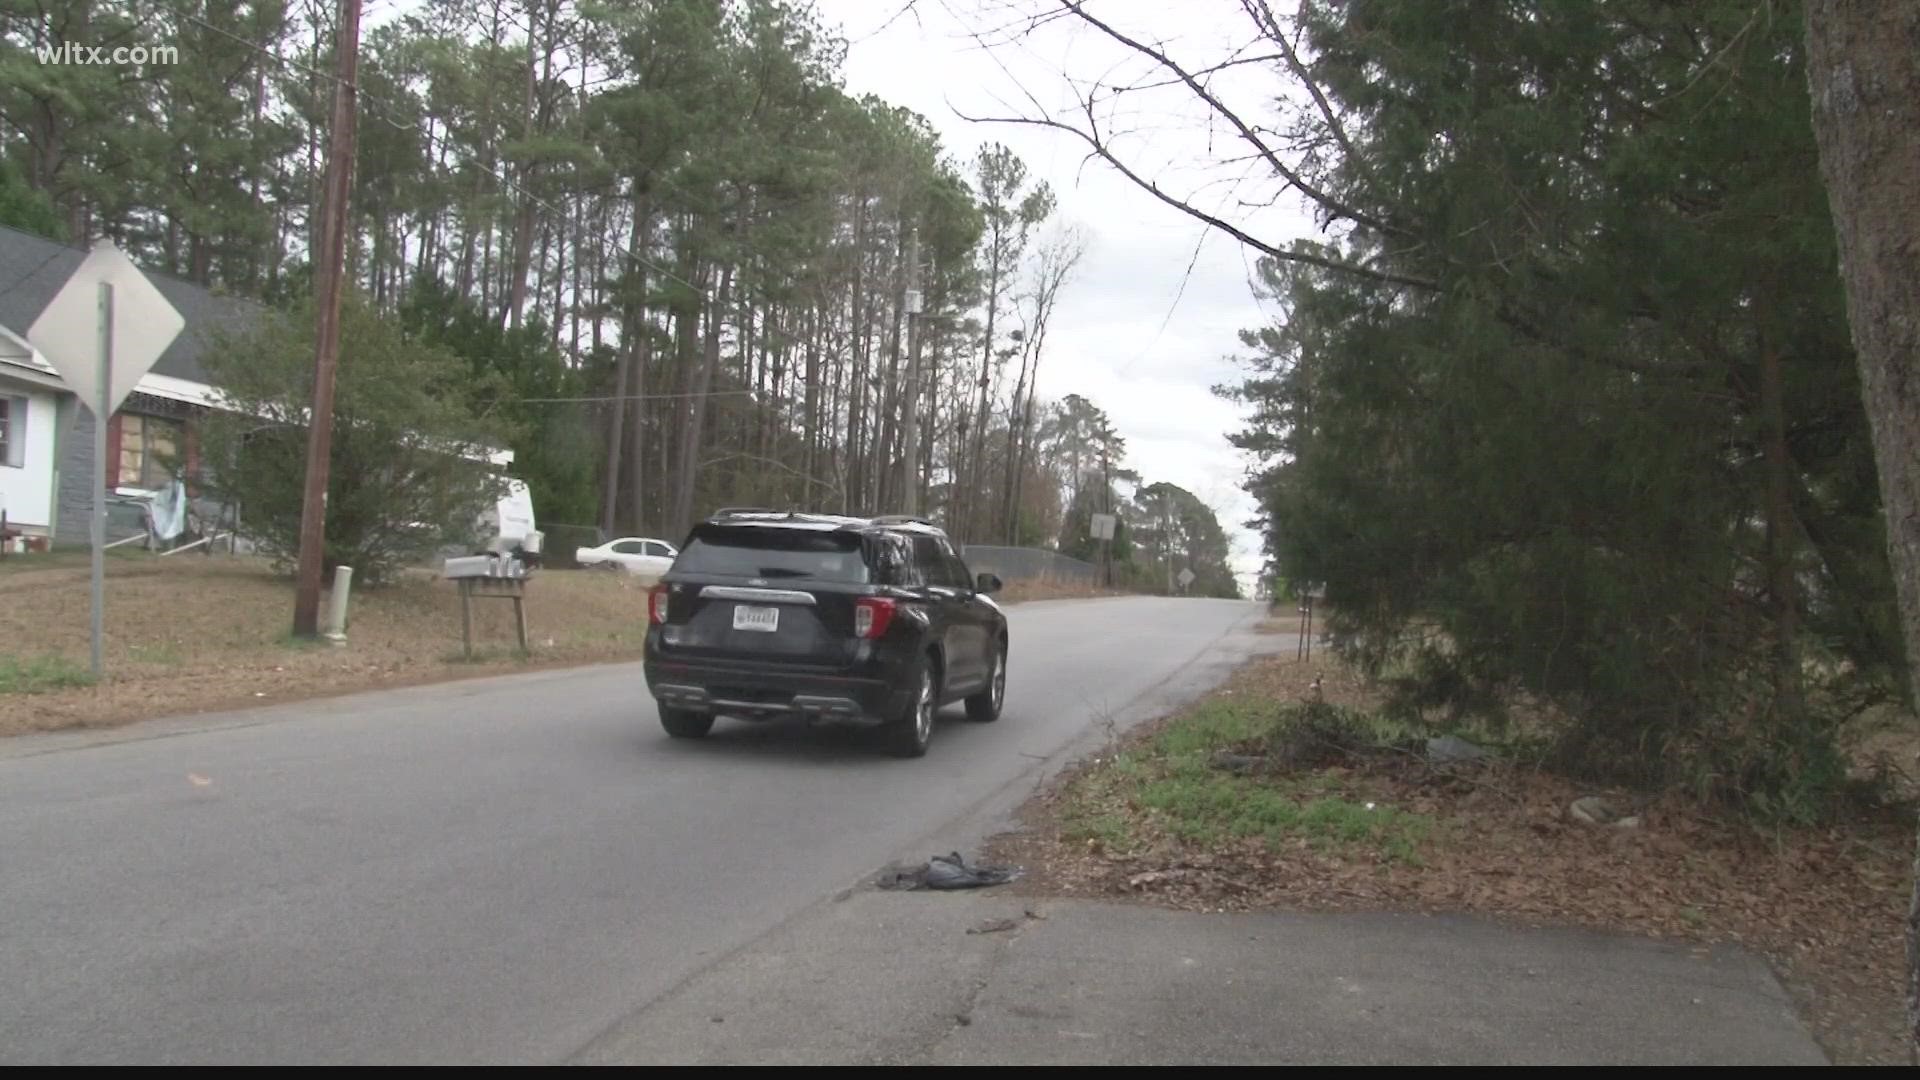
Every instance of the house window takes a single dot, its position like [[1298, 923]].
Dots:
[[13, 432], [150, 451]]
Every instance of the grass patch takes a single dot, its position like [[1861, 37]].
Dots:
[[1087, 823], [1214, 724], [191, 634], [1211, 809], [1170, 789], [41, 674]]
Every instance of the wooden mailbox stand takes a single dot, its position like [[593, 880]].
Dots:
[[514, 589]]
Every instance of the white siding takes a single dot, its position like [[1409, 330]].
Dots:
[[27, 492]]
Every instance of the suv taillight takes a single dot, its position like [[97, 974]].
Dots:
[[657, 604], [871, 616]]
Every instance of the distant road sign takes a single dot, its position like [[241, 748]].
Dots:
[[1103, 526], [1185, 578]]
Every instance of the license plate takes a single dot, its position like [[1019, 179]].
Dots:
[[756, 618]]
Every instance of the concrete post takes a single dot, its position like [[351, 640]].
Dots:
[[337, 605]]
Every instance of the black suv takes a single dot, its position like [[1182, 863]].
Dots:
[[873, 622]]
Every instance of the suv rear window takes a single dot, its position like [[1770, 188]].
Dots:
[[760, 552]]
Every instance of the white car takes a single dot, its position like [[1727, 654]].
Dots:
[[633, 554]]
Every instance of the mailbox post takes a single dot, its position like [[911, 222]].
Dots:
[[496, 576]]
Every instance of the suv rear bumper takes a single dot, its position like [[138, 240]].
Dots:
[[761, 692]]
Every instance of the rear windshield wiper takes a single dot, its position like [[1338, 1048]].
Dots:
[[781, 571]]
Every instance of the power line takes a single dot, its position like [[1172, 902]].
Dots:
[[630, 397], [1171, 308]]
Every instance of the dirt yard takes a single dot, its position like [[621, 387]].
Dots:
[[188, 634], [1209, 810]]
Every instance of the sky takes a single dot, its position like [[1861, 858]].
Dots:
[[1136, 332]]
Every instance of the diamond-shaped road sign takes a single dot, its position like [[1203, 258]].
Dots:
[[1185, 578], [107, 324], [68, 331]]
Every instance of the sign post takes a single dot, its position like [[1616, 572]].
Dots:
[[102, 332], [1103, 526], [99, 531]]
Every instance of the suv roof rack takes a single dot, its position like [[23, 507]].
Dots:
[[734, 511], [903, 519]]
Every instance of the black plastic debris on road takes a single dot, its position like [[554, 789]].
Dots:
[[948, 871]]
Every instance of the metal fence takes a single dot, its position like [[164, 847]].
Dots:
[[1028, 564]]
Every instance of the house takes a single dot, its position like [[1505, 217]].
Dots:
[[46, 438]]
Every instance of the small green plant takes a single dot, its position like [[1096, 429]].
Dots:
[[1214, 723], [40, 674], [1107, 828], [1210, 808]]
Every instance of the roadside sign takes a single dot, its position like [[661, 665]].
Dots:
[[69, 332], [102, 332], [1103, 526], [1186, 577]]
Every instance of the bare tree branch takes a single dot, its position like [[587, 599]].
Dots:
[[1212, 69], [1327, 201], [1100, 149], [1263, 17]]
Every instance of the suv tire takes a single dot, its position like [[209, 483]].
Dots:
[[685, 723], [911, 732], [984, 707]]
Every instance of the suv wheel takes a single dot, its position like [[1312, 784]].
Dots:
[[985, 705], [685, 723], [909, 735]]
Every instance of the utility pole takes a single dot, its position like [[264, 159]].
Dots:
[[910, 437], [1106, 495], [329, 280]]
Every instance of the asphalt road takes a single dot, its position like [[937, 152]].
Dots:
[[499, 871]]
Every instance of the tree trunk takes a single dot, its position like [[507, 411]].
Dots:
[[1863, 67], [856, 387], [610, 494], [811, 424], [976, 459], [641, 329], [523, 221], [637, 421], [610, 519], [703, 381], [1016, 424], [671, 420]]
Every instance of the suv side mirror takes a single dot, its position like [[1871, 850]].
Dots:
[[987, 583]]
